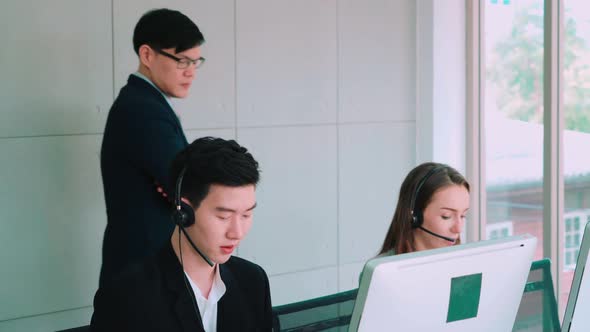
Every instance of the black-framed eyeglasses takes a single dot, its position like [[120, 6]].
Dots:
[[182, 63]]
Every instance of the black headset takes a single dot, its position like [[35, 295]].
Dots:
[[183, 214], [418, 216]]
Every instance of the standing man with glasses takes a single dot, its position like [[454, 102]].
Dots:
[[141, 138]]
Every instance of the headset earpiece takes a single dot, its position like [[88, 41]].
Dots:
[[183, 215], [417, 219], [417, 216]]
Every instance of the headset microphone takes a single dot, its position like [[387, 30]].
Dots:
[[195, 247], [184, 216], [437, 235]]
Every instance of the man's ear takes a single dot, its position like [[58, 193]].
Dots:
[[146, 55]]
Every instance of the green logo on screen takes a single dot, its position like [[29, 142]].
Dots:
[[464, 297]]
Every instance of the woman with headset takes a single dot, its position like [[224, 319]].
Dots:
[[430, 212]]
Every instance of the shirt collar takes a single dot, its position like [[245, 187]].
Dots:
[[217, 289], [145, 78]]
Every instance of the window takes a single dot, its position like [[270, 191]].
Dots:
[[514, 108], [573, 238], [511, 48], [499, 230], [575, 48]]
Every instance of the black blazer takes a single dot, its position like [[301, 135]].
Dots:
[[153, 296], [141, 138]]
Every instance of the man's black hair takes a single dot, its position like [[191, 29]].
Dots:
[[166, 28], [210, 160]]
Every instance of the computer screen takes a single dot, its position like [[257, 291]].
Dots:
[[576, 316], [469, 287]]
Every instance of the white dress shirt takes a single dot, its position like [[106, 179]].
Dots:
[[208, 306]]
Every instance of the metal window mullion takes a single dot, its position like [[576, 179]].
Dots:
[[553, 188], [475, 138]]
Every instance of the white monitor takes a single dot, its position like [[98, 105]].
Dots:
[[471, 287], [576, 316]]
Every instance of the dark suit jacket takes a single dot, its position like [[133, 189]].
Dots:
[[141, 138], [153, 296]]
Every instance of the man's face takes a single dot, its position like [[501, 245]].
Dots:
[[222, 220], [166, 75]]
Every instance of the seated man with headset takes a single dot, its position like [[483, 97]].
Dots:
[[194, 283]]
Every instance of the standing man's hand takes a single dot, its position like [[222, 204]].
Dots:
[[160, 190]]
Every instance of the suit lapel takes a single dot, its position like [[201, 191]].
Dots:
[[233, 313], [186, 312]]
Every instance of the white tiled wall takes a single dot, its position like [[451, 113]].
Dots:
[[372, 158], [295, 223], [53, 321], [55, 67], [52, 214], [286, 62], [377, 60], [322, 92], [309, 284], [349, 275]]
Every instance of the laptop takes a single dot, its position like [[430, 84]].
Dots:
[[577, 311], [471, 287]]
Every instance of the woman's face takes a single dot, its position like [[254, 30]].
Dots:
[[444, 215]]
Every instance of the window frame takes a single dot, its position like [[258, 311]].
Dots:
[[553, 182]]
